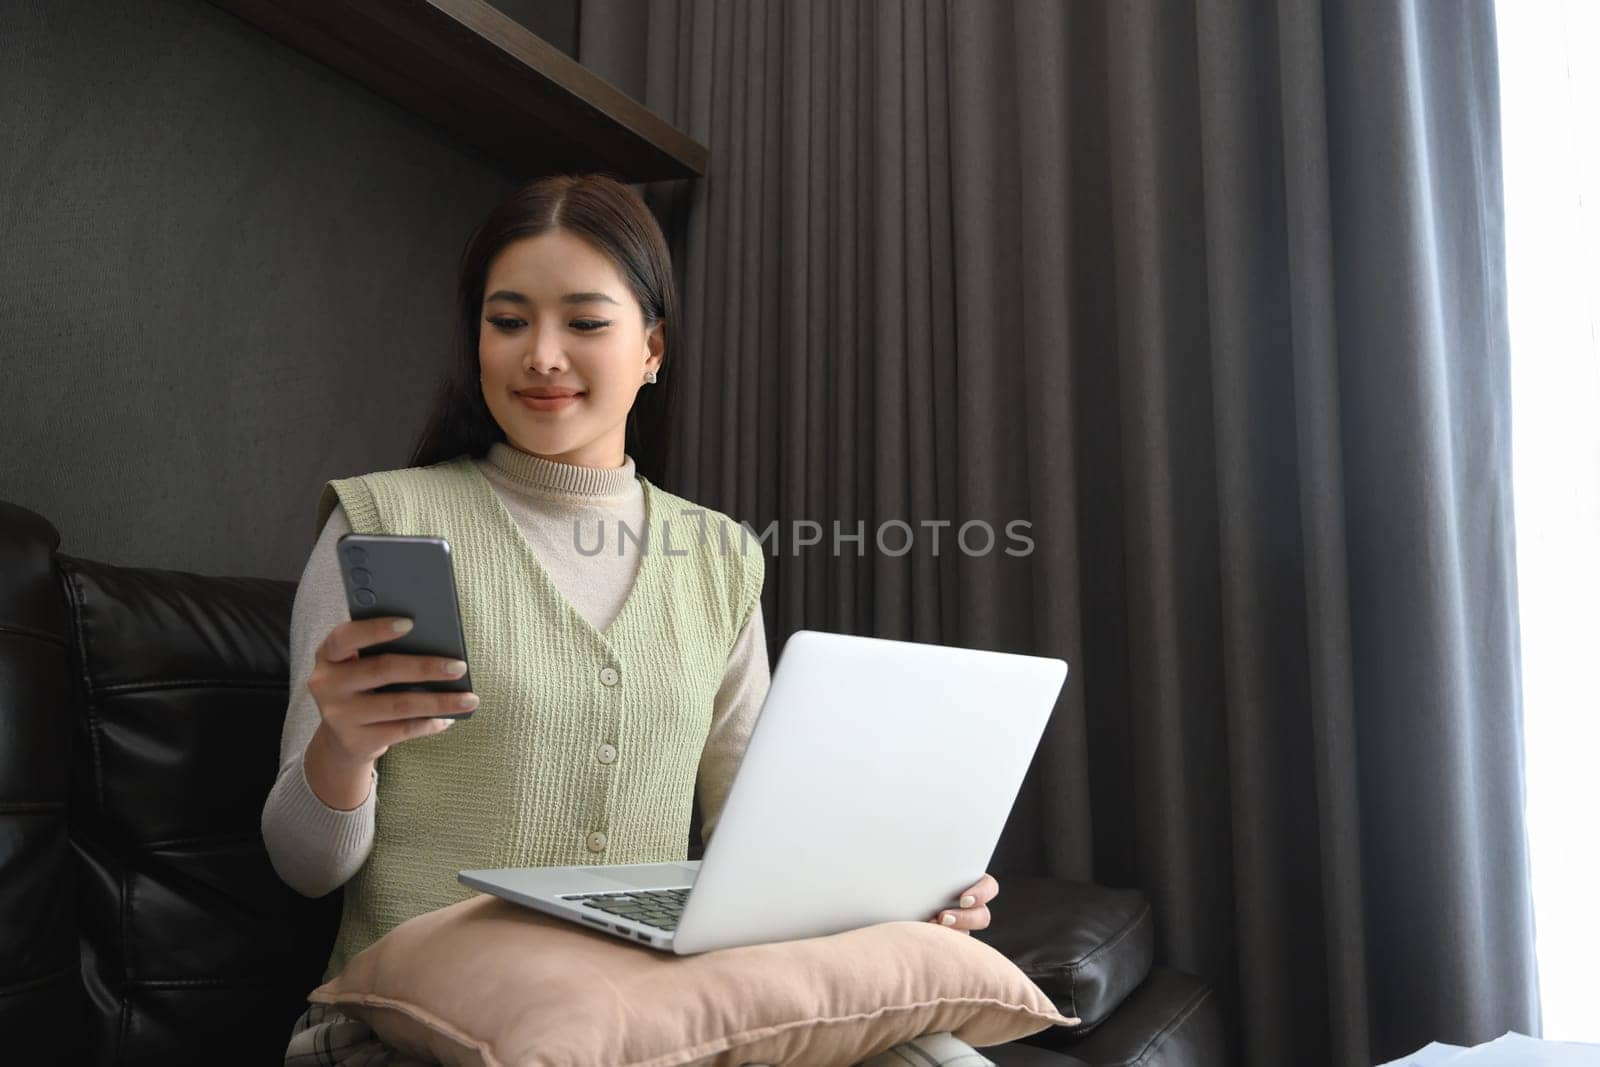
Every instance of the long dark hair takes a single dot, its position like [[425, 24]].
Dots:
[[615, 220]]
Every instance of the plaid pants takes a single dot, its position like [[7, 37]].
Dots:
[[323, 1037]]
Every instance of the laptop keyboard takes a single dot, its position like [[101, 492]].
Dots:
[[653, 907]]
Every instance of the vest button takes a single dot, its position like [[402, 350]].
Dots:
[[609, 676], [597, 841], [605, 753]]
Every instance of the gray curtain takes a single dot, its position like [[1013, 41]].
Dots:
[[1212, 295]]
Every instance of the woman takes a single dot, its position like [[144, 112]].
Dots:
[[612, 676]]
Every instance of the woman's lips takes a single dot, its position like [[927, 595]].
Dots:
[[549, 403]]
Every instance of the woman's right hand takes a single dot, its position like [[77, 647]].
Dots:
[[360, 725]]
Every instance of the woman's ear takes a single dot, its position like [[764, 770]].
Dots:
[[655, 342]]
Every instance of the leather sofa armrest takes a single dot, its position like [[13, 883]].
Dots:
[[42, 993], [1087, 946]]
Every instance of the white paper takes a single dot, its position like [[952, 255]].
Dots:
[[1511, 1049], [1435, 1053], [1519, 1050]]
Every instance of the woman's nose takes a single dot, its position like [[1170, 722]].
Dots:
[[545, 356]]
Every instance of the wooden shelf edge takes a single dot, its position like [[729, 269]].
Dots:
[[487, 79]]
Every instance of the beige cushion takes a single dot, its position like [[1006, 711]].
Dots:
[[486, 981]]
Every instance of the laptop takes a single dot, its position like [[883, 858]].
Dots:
[[874, 788]]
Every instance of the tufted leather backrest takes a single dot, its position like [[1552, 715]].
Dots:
[[140, 716]]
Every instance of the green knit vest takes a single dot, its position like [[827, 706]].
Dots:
[[556, 767]]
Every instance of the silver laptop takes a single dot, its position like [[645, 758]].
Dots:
[[874, 788]]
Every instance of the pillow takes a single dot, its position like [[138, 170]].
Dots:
[[488, 982]]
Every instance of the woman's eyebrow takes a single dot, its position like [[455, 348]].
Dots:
[[567, 298]]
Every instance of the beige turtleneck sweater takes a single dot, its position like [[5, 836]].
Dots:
[[316, 848]]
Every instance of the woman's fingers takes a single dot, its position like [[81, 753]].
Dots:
[[982, 891], [973, 914], [964, 919]]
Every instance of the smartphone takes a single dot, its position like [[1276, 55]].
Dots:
[[411, 577]]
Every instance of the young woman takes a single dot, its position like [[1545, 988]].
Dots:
[[612, 676]]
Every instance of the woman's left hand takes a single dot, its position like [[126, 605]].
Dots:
[[974, 911]]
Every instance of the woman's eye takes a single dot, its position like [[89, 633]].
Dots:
[[584, 325]]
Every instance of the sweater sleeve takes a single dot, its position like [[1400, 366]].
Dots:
[[738, 703], [313, 847]]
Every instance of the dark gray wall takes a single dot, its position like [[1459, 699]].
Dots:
[[554, 20], [226, 277]]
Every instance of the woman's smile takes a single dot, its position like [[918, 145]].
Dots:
[[549, 403]]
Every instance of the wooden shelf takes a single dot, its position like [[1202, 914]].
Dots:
[[488, 80]]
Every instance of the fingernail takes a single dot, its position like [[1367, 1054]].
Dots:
[[455, 667], [400, 626], [948, 919], [467, 700], [445, 724], [968, 901]]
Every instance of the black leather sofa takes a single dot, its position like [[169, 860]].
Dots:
[[141, 922]]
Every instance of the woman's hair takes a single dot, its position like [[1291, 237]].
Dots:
[[615, 220]]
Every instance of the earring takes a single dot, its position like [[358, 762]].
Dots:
[[650, 376]]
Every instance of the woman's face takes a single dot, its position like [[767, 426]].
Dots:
[[557, 317]]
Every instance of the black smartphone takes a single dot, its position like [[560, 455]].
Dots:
[[411, 577]]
